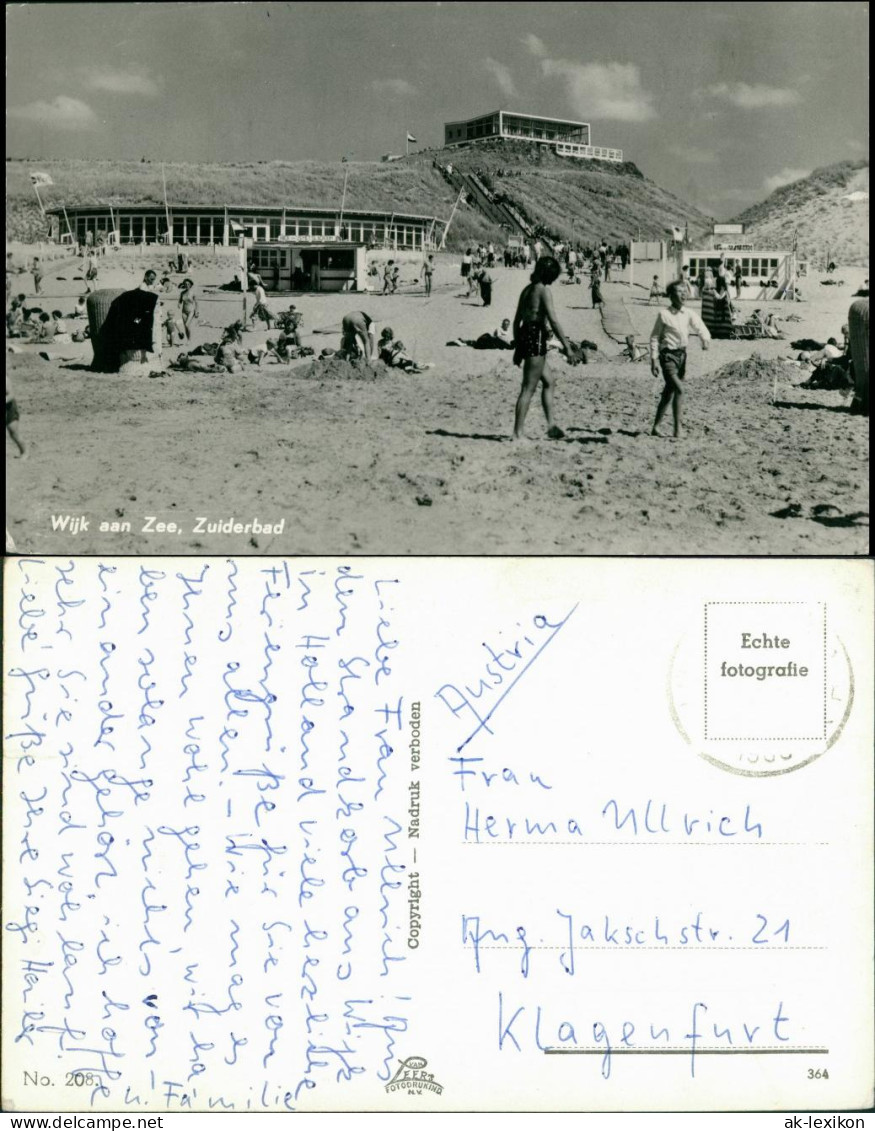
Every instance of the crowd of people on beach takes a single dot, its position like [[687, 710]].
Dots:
[[534, 330]]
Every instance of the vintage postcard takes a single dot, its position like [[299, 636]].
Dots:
[[374, 278], [454, 835]]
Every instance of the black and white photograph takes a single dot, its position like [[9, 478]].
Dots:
[[437, 278], [486, 835]]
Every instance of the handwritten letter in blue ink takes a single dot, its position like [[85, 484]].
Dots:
[[340, 835]]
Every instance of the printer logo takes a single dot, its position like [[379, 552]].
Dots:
[[412, 1078]]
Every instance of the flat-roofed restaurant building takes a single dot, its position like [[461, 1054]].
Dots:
[[215, 224], [569, 139]]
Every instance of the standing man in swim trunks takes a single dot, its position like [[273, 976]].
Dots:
[[534, 314], [668, 351], [356, 335], [426, 272]]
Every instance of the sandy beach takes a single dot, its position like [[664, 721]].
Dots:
[[423, 464]]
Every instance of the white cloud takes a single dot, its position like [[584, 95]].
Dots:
[[393, 86], [122, 82], [502, 76], [754, 97], [786, 177], [63, 113], [535, 45], [607, 91], [693, 155]]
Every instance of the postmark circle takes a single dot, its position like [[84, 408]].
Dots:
[[751, 757]]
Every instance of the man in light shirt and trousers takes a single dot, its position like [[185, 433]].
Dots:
[[668, 352]]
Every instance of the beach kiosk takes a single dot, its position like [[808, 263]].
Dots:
[[306, 266], [772, 272]]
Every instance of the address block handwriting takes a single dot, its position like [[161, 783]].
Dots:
[[207, 775]]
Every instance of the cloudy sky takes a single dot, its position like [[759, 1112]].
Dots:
[[717, 103]]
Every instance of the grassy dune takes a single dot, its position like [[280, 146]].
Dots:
[[817, 207], [597, 199], [413, 188]]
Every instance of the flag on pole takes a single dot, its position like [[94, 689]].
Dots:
[[235, 227], [41, 179], [410, 136]]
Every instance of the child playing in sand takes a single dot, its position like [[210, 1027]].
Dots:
[[234, 332], [62, 334], [391, 353], [668, 352], [15, 317], [283, 349], [633, 352], [12, 418], [172, 328], [44, 329], [395, 357], [80, 310], [386, 345], [229, 354], [535, 313], [654, 291], [290, 324]]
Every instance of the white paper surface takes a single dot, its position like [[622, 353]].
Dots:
[[437, 835]]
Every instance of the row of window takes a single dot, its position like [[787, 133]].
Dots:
[[207, 229], [567, 149], [750, 265], [488, 127], [550, 131], [270, 259]]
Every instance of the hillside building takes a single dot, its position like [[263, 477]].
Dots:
[[569, 139], [215, 224]]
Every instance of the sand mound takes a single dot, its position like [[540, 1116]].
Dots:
[[755, 368], [341, 369]]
